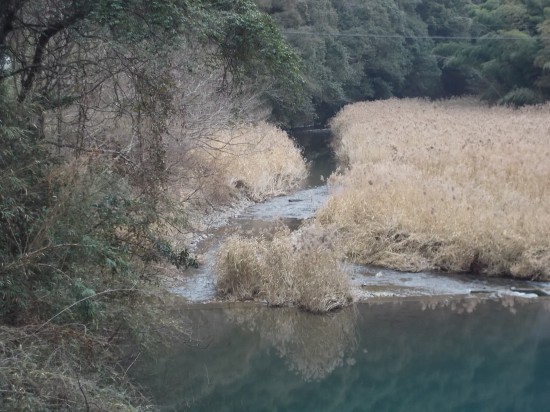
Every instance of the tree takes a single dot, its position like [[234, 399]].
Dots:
[[505, 60], [358, 50], [109, 90]]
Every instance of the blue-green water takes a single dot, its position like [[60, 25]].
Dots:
[[437, 355]]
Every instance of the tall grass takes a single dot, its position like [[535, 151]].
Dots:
[[89, 366], [304, 271], [258, 161], [451, 185]]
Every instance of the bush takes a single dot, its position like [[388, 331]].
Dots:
[[521, 97], [73, 239]]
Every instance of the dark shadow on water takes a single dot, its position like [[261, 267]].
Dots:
[[429, 355], [316, 145]]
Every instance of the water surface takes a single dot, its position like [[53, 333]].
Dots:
[[426, 355]]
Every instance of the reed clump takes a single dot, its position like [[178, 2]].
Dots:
[[257, 160], [451, 185], [302, 270]]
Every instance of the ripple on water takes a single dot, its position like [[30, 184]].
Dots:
[[300, 205]]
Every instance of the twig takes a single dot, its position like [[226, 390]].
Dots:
[[132, 364], [80, 301], [83, 394], [25, 257], [115, 333]]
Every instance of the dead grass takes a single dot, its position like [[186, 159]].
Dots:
[[56, 369], [259, 160], [88, 367], [452, 185], [304, 271]]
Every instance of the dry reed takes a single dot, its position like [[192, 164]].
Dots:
[[259, 160], [305, 272], [451, 185], [57, 369]]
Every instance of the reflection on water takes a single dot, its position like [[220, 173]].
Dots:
[[311, 345], [429, 355]]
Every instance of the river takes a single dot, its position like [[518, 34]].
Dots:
[[199, 285], [415, 342], [402, 355]]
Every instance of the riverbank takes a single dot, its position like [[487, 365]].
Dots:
[[348, 225], [366, 282], [97, 308], [231, 170]]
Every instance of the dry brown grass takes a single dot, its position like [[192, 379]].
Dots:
[[77, 367], [254, 162], [304, 271], [451, 185], [57, 369]]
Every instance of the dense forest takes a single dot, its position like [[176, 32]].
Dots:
[[355, 50]]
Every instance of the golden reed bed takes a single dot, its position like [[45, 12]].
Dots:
[[451, 185]]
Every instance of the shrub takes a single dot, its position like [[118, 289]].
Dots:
[[521, 97], [73, 238]]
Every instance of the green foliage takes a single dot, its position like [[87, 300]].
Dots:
[[134, 21], [22, 194], [253, 51], [77, 232], [542, 59], [505, 63], [231, 34], [357, 50], [87, 306], [67, 231], [81, 225], [445, 18], [180, 259], [521, 97]]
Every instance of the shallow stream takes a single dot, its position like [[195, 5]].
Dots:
[[198, 285]]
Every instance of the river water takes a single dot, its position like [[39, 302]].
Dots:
[[404, 355], [416, 342]]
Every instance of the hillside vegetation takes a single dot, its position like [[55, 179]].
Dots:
[[121, 124], [357, 50], [452, 185]]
